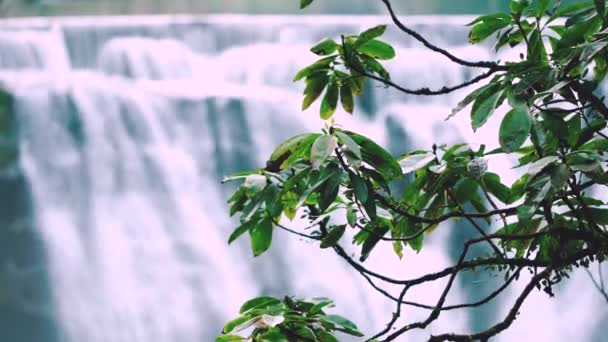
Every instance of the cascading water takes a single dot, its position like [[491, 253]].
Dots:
[[124, 128]]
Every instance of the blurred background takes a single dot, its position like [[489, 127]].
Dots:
[[120, 127], [97, 7]]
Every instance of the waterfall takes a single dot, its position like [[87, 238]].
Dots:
[[124, 127]]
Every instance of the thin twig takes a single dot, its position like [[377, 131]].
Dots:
[[597, 285], [511, 316], [427, 44]]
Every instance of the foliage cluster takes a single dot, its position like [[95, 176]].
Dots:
[[550, 221]]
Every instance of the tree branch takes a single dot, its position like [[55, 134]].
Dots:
[[427, 91], [498, 328], [427, 44], [599, 287]]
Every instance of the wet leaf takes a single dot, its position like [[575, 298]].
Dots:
[[350, 144], [314, 88], [359, 187], [325, 47], [414, 162], [376, 156], [305, 3], [261, 237], [514, 129], [321, 149], [333, 236], [346, 98], [370, 34], [377, 49], [484, 106], [321, 66], [330, 101], [257, 303]]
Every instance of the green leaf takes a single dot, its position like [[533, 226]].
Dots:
[[559, 177], [414, 162], [350, 143], [291, 148], [398, 248], [231, 325], [600, 144], [434, 210], [570, 9], [346, 325], [314, 87], [274, 207], [489, 17], [356, 84], [484, 106], [588, 162], [257, 303], [599, 215], [359, 187], [554, 125], [290, 204], [321, 303], [320, 66], [540, 165], [517, 7], [346, 97], [351, 216], [329, 190], [492, 184], [251, 209], [238, 200], [333, 236], [520, 228], [305, 3], [536, 49], [375, 66], [578, 33], [486, 27], [377, 49], [514, 129], [316, 183], [408, 229], [370, 34], [601, 69], [305, 332], [548, 247], [330, 101], [538, 189], [321, 149], [379, 227], [239, 231], [239, 176], [465, 190], [324, 336], [574, 130], [325, 47], [518, 188], [542, 6], [470, 98], [479, 204], [272, 336], [261, 237], [376, 156]]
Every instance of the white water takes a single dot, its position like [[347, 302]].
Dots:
[[126, 127]]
